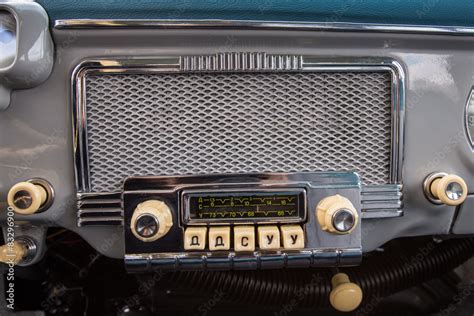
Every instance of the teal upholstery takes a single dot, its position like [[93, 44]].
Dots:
[[419, 12]]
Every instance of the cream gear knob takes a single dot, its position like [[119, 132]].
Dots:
[[345, 296], [151, 220], [337, 215], [448, 189], [27, 197]]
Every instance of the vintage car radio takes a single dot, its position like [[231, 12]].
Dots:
[[242, 221]]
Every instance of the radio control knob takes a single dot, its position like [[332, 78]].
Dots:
[[27, 198], [151, 220], [336, 214], [445, 188]]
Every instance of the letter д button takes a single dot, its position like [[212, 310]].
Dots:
[[195, 238], [219, 238]]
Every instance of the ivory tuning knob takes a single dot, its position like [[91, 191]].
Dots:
[[336, 215], [448, 189], [26, 197], [345, 296], [151, 220]]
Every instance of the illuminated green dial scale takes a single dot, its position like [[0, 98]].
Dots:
[[240, 205]]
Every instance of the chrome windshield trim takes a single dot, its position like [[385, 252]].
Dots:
[[264, 25]]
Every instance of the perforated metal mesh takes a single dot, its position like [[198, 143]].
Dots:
[[165, 124]]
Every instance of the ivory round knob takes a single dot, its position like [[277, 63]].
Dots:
[[336, 214], [151, 220], [26, 198], [13, 253], [345, 296], [449, 189]]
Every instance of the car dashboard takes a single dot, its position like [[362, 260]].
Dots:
[[208, 145]]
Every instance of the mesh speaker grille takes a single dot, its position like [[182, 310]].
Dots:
[[194, 123]]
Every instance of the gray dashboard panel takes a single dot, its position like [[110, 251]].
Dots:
[[33, 59], [36, 141], [464, 221]]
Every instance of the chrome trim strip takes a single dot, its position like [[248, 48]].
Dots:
[[335, 257], [103, 221], [469, 103], [385, 213], [263, 25], [241, 62], [99, 209], [381, 201]]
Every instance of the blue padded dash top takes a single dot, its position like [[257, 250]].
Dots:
[[413, 12]]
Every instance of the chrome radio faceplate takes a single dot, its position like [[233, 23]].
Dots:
[[242, 221]]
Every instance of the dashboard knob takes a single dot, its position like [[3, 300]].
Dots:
[[151, 220], [445, 188], [20, 252], [27, 198], [345, 296], [336, 214], [13, 253]]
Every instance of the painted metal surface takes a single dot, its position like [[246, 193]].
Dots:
[[36, 132]]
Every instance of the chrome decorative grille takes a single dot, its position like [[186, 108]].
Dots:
[[201, 122]]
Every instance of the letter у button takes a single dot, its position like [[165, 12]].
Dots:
[[195, 238], [268, 237], [292, 236], [219, 238]]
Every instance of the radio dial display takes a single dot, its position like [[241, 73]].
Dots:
[[242, 205]]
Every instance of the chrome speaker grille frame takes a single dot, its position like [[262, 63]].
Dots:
[[233, 67]]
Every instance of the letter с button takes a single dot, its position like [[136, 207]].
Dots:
[[195, 238], [244, 238]]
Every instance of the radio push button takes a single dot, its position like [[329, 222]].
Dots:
[[244, 238], [292, 236], [195, 238], [337, 215], [151, 220], [219, 238], [268, 237]]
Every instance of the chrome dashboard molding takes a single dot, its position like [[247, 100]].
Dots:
[[467, 120], [99, 209], [238, 261], [241, 62], [380, 201], [263, 25], [226, 62]]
